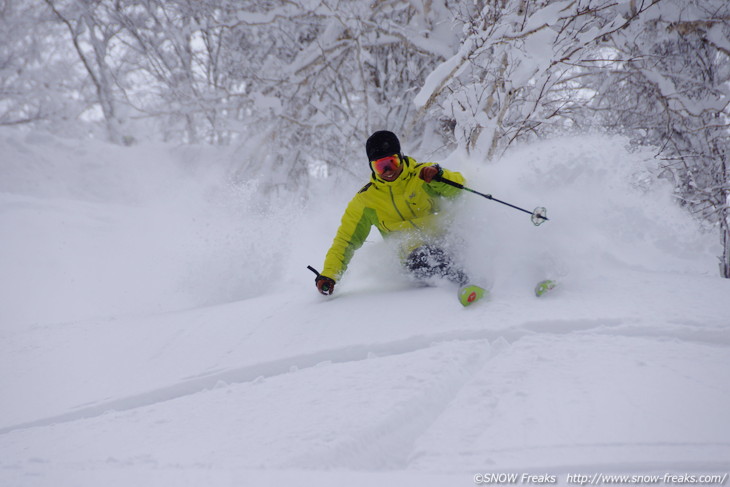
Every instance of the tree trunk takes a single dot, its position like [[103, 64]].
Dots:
[[725, 259]]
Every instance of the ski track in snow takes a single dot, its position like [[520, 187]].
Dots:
[[354, 353], [388, 444]]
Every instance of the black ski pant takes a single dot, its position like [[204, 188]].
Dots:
[[429, 261]]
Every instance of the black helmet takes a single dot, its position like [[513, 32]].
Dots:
[[382, 144]]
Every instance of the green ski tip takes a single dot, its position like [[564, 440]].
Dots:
[[544, 286], [470, 294]]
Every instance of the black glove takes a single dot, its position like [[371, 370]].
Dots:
[[325, 285]]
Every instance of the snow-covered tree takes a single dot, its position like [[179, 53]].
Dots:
[[93, 34], [669, 87], [173, 48], [39, 83], [322, 75], [517, 68]]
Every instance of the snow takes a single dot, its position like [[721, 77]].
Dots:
[[159, 327]]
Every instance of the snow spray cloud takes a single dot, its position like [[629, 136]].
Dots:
[[95, 230], [606, 208]]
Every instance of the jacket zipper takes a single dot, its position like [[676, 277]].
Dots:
[[392, 198]]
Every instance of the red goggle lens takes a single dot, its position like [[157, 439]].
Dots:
[[386, 163]]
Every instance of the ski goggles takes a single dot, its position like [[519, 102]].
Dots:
[[384, 164]]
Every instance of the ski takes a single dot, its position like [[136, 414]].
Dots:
[[470, 294], [544, 287]]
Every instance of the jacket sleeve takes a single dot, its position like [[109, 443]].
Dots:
[[354, 229], [438, 188]]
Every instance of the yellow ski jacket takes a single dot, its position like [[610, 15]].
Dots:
[[405, 207]]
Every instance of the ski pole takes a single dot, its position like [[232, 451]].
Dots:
[[539, 215]]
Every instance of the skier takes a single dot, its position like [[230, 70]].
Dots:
[[401, 200]]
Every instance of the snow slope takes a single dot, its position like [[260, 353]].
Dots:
[[158, 326]]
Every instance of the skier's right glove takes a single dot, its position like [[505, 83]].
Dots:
[[429, 173], [325, 285]]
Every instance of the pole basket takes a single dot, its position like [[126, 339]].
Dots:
[[539, 216]]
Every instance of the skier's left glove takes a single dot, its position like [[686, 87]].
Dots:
[[429, 173], [325, 285]]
